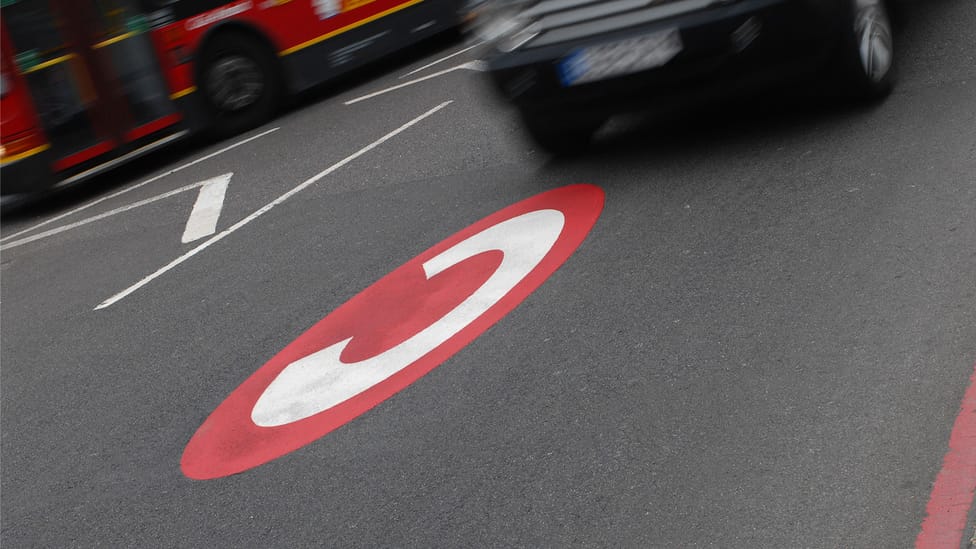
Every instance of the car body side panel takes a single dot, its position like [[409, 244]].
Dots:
[[794, 38]]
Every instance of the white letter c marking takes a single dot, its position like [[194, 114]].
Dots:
[[320, 380]]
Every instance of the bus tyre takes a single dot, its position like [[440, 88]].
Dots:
[[559, 137], [240, 81], [867, 53]]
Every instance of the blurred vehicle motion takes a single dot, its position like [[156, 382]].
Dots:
[[89, 84], [568, 64]]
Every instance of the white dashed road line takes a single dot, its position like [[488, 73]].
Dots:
[[206, 210]]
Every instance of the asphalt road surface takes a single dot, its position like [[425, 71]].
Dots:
[[765, 340]]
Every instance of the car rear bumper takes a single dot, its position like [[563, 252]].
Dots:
[[729, 47]]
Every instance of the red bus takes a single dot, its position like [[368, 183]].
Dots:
[[89, 84]]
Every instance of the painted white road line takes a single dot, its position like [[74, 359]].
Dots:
[[110, 213], [442, 59], [134, 187], [404, 85], [266, 208], [474, 66], [206, 210]]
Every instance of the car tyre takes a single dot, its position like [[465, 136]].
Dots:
[[559, 137], [867, 53], [240, 81]]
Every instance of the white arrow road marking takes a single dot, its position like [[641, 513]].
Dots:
[[266, 208], [206, 210], [320, 380], [134, 187], [87, 220]]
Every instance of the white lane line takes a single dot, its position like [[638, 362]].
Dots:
[[404, 85], [206, 210], [266, 208], [477, 65], [473, 66], [87, 220], [134, 187], [442, 59]]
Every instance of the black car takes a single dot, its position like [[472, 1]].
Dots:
[[568, 64]]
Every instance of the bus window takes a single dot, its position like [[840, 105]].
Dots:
[[58, 84], [122, 35]]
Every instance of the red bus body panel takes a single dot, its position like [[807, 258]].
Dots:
[[311, 44]]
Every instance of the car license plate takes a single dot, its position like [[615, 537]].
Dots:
[[619, 58]]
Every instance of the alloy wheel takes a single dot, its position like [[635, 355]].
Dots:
[[872, 27], [234, 83]]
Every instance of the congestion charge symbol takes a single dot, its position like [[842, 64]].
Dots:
[[393, 332]]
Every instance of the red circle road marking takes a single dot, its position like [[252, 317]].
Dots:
[[952, 493], [393, 332]]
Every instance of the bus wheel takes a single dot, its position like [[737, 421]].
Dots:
[[240, 82]]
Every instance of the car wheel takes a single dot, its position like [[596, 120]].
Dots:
[[559, 136], [867, 50], [240, 83]]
